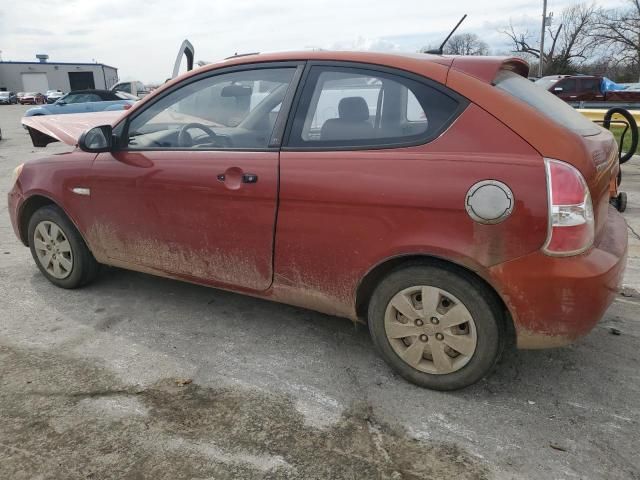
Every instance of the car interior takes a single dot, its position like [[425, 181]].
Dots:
[[241, 112]]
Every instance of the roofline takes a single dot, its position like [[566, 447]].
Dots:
[[57, 63]]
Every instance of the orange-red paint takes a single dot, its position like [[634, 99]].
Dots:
[[317, 222]]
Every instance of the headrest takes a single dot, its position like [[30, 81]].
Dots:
[[354, 109]]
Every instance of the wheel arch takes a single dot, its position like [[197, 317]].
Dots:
[[374, 276], [31, 205]]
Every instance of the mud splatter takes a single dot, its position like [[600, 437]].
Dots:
[[227, 267]]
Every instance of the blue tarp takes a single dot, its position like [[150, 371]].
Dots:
[[611, 86]]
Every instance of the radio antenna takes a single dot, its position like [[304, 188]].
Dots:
[[439, 51]]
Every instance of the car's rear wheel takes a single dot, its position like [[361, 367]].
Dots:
[[436, 327], [59, 250]]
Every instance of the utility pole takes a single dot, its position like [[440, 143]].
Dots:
[[544, 24]]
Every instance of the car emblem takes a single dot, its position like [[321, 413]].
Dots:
[[489, 202]]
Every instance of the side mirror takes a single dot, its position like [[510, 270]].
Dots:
[[60, 103], [97, 139]]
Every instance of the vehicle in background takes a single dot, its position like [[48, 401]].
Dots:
[[477, 203], [134, 88], [82, 101], [20, 95], [8, 98], [587, 88], [32, 98], [53, 95]]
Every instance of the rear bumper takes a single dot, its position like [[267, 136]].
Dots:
[[555, 300]]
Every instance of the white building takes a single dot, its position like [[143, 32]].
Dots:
[[43, 75]]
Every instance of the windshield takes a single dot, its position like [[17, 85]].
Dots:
[[545, 102], [4, 94], [30, 94], [125, 96]]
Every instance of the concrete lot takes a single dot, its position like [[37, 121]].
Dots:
[[92, 384]]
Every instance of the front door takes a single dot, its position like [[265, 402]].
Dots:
[[193, 191]]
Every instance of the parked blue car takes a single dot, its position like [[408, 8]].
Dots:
[[81, 101], [8, 98]]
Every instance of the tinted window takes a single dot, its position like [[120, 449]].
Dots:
[[81, 98], [568, 86], [229, 110], [349, 107], [545, 102], [590, 85]]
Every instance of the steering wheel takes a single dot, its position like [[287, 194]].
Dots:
[[185, 140]]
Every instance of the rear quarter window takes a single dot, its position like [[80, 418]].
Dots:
[[545, 102]]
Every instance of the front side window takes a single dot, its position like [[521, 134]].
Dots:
[[229, 110], [352, 107]]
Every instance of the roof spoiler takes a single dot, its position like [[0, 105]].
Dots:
[[516, 65], [486, 68]]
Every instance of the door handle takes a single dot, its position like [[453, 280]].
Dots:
[[245, 178], [249, 178]]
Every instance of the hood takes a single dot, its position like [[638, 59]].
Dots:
[[46, 129]]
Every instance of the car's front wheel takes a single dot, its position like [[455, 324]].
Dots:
[[436, 327], [59, 250]]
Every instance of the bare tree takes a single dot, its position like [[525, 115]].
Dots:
[[619, 29], [571, 39], [466, 44]]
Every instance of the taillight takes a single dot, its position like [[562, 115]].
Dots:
[[571, 225]]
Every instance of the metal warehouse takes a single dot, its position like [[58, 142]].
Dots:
[[44, 75]]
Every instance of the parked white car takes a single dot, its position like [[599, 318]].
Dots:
[[134, 88]]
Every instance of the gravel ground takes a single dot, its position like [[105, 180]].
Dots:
[[137, 377]]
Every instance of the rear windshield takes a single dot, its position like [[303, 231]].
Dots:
[[545, 102], [547, 82]]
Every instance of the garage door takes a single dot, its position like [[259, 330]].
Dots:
[[35, 82]]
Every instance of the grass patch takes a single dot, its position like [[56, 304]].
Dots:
[[617, 131]]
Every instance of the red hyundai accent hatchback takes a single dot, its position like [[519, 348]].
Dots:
[[448, 202]]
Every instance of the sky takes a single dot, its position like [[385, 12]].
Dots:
[[141, 38]]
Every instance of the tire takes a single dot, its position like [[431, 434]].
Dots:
[[447, 289], [76, 264]]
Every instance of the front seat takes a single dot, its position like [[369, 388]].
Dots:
[[353, 121]]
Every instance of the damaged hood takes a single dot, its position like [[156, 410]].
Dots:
[[46, 129]]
